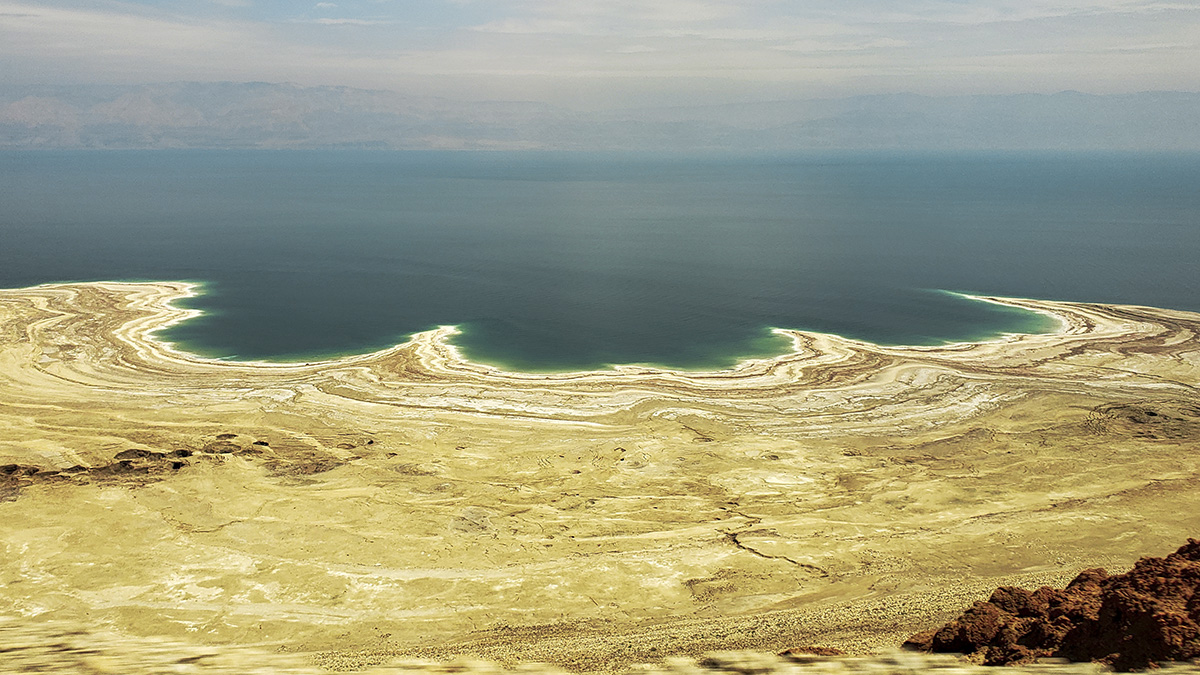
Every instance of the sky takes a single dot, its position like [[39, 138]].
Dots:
[[595, 54]]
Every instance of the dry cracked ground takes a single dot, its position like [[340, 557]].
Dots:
[[407, 504]]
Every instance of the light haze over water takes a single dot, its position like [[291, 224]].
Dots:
[[564, 261]]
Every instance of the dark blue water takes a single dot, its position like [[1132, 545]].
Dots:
[[566, 261]]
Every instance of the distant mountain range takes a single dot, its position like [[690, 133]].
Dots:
[[265, 115]]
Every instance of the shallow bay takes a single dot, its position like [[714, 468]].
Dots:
[[551, 262]]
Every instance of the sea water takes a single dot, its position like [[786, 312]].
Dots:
[[566, 261]]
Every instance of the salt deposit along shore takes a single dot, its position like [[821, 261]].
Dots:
[[409, 504]]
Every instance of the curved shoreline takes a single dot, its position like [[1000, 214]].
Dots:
[[409, 502], [168, 315], [846, 369], [192, 289]]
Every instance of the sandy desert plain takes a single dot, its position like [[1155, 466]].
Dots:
[[410, 504]]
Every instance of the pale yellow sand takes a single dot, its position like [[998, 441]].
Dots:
[[67, 649], [407, 503]]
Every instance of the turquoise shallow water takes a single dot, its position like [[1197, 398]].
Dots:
[[562, 261]]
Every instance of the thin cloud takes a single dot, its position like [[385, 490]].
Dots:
[[587, 17], [473, 48], [534, 26], [817, 46], [344, 22], [98, 33], [638, 11], [1011, 11], [1168, 46]]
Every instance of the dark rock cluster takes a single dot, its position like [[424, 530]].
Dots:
[[138, 466], [1143, 618]]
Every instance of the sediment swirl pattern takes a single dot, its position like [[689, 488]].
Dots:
[[409, 502]]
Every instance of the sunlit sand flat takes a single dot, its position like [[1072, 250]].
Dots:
[[410, 504]]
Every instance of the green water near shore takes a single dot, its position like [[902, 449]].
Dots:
[[565, 262]]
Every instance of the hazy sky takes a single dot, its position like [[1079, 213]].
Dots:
[[598, 53]]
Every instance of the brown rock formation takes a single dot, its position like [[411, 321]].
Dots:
[[1135, 620]]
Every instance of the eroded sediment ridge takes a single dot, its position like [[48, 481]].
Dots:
[[411, 502]]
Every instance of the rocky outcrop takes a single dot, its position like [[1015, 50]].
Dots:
[[1145, 617], [139, 466]]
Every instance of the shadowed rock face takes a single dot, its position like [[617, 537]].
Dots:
[[1135, 620]]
